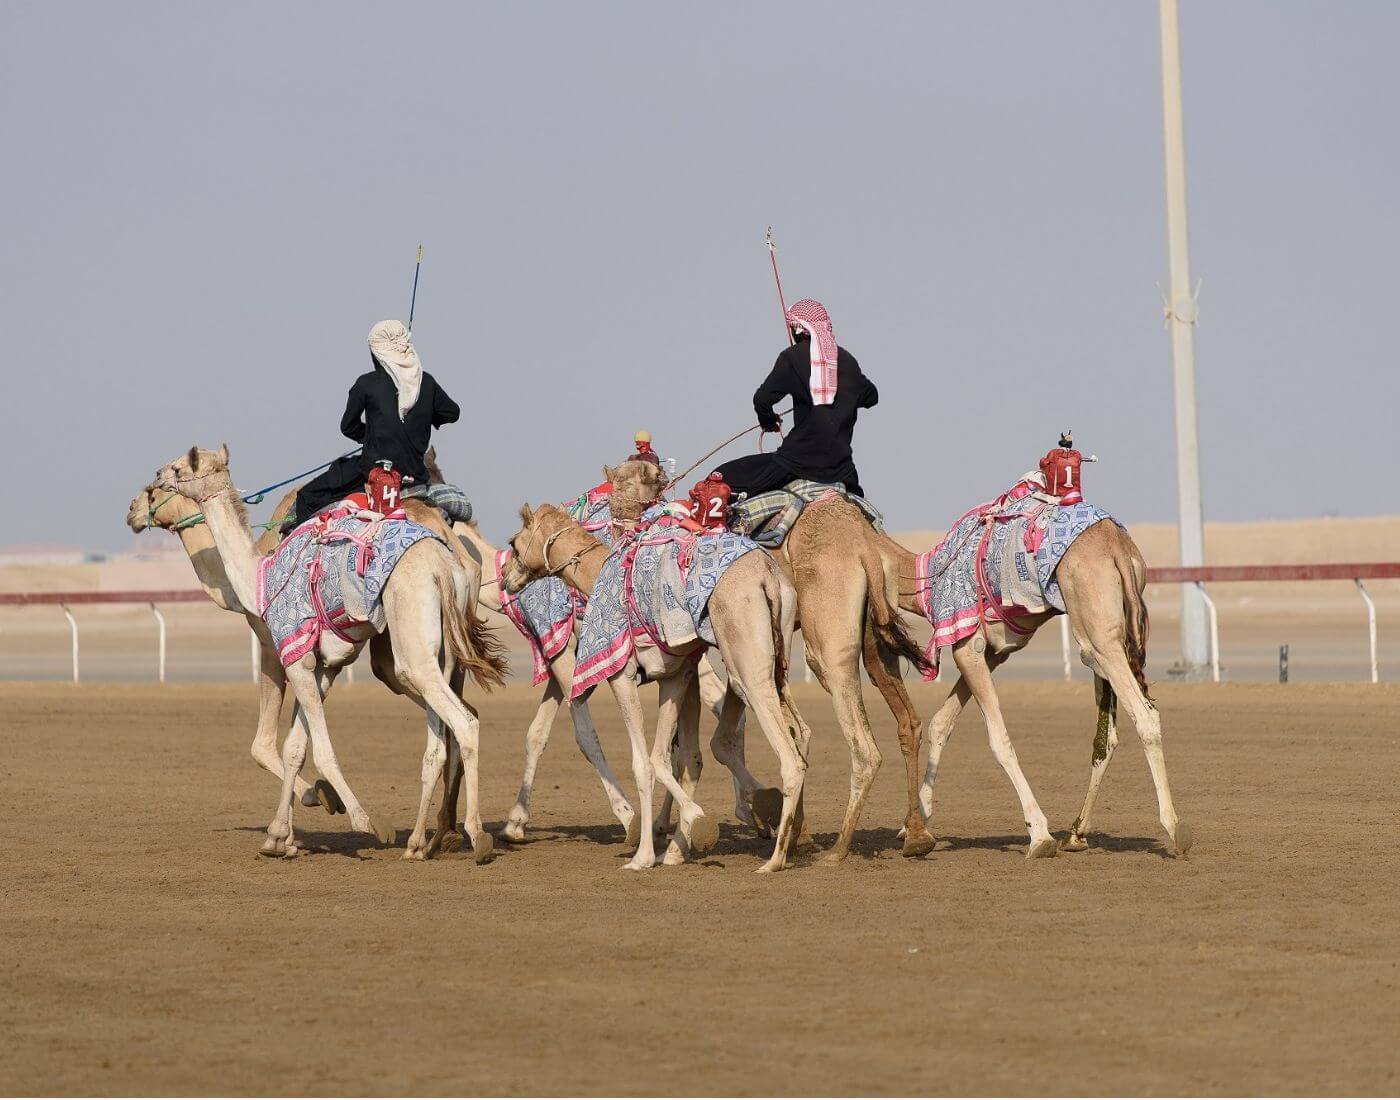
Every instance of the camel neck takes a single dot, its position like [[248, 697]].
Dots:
[[587, 562], [235, 544], [908, 564], [490, 590], [208, 566]]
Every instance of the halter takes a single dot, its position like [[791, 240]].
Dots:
[[574, 559]]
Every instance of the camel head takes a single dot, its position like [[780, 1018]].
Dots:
[[196, 474], [532, 545], [157, 507], [637, 484]]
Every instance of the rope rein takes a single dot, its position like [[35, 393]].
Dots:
[[732, 439]]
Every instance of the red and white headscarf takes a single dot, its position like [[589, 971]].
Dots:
[[810, 316]]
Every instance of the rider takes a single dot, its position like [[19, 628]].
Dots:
[[392, 410], [828, 390]]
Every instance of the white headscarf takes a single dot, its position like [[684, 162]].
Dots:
[[392, 349]]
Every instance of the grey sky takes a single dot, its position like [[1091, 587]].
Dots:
[[205, 207]]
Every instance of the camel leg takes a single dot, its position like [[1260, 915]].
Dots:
[[751, 663], [836, 663], [272, 689], [975, 670], [586, 737], [1105, 741], [727, 745], [629, 703], [694, 829], [434, 757], [940, 730], [536, 738], [1148, 722], [446, 837], [883, 667], [309, 688], [691, 763], [281, 840], [714, 694]]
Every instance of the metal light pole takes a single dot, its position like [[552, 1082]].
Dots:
[[1181, 319]]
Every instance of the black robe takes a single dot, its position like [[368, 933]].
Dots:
[[818, 445], [372, 419]]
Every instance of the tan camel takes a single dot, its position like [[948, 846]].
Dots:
[[155, 507], [752, 611], [1101, 576], [561, 676], [429, 606], [833, 557]]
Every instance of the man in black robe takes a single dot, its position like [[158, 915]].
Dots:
[[392, 411], [827, 390]]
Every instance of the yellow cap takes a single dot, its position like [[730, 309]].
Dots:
[[643, 436]]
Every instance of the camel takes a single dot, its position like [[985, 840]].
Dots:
[[1101, 576], [752, 611], [832, 555], [561, 675], [154, 507], [429, 602]]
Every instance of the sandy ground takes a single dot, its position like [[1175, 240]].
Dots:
[[147, 949]]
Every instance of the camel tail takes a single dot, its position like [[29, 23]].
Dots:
[[474, 647], [883, 619], [1134, 610], [773, 590]]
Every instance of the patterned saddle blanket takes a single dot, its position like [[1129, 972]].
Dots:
[[545, 611], [768, 517], [329, 574], [656, 584], [998, 563]]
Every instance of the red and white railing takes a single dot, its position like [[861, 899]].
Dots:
[[1199, 576]]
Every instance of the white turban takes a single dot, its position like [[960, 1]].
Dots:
[[392, 349]]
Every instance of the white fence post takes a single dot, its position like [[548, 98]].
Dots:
[[1371, 617], [1214, 632], [1064, 644], [160, 659], [73, 625]]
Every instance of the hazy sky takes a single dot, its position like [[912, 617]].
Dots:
[[206, 207]]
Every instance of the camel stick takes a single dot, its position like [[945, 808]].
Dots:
[[413, 301], [773, 259]]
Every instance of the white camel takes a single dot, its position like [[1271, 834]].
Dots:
[[752, 611], [429, 603]]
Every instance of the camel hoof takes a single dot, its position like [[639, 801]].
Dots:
[[514, 832], [704, 834], [1073, 843], [416, 855], [917, 846], [273, 848], [483, 846], [634, 865], [674, 857], [451, 841], [327, 797], [634, 830], [767, 807], [385, 833], [1183, 838], [1044, 848], [767, 869], [292, 852], [310, 798], [836, 855]]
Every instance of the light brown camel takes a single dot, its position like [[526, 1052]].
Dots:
[[751, 610], [561, 675], [429, 607], [159, 508], [1101, 576], [845, 612]]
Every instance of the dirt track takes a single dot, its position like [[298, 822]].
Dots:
[[148, 949]]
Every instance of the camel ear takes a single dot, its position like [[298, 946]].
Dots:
[[193, 458], [609, 472], [527, 517], [223, 453]]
